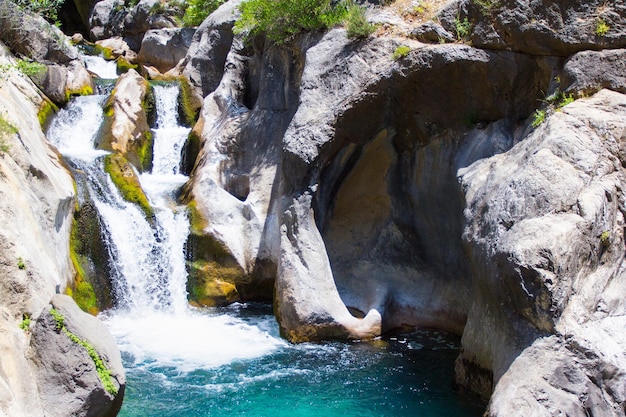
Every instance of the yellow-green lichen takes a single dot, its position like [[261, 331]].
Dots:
[[46, 110], [85, 90], [127, 182], [123, 65]]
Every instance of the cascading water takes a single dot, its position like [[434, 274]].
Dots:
[[185, 362]]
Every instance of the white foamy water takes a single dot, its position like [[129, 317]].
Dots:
[[189, 341], [74, 129], [101, 67], [169, 135]]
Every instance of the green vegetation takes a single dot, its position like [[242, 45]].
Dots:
[[48, 9], [281, 20], [25, 324], [189, 107], [605, 239], [123, 65], [103, 372], [30, 69], [46, 110], [462, 28], [211, 284], [125, 179], [539, 117], [602, 28], [6, 130], [21, 264], [401, 51], [487, 6], [356, 23], [198, 10], [565, 100], [81, 289]]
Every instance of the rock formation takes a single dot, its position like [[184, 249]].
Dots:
[[37, 201], [455, 187]]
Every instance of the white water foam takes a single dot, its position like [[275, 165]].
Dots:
[[189, 341], [101, 67], [74, 129]]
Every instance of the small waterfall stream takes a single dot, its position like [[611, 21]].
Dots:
[[183, 361]]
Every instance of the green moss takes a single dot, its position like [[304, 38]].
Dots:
[[189, 104], [106, 53], [143, 148], [197, 222], [6, 130], [605, 238], [46, 110], [125, 179], [103, 371], [21, 264], [80, 289], [86, 90], [123, 65]]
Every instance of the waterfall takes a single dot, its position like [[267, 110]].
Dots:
[[100, 66], [152, 321]]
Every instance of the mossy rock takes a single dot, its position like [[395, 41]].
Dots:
[[191, 150], [84, 91], [123, 65], [126, 180], [134, 140], [188, 103], [91, 287], [47, 109], [212, 285]]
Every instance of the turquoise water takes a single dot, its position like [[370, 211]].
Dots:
[[406, 375]]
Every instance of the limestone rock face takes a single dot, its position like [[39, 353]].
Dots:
[[545, 232], [36, 204], [164, 48], [559, 28], [204, 63], [67, 378]]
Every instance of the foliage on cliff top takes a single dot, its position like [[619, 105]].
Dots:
[[48, 9], [280, 20], [198, 10]]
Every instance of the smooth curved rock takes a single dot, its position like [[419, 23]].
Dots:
[[164, 48], [204, 64]]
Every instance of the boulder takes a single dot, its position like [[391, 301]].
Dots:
[[118, 48], [588, 72], [206, 57], [30, 35], [79, 367], [110, 18], [125, 129], [164, 48]]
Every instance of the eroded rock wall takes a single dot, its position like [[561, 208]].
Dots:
[[447, 188], [36, 206]]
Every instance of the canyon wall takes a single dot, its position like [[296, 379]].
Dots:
[[475, 189]]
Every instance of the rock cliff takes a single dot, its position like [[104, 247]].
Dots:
[[455, 186], [36, 206]]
